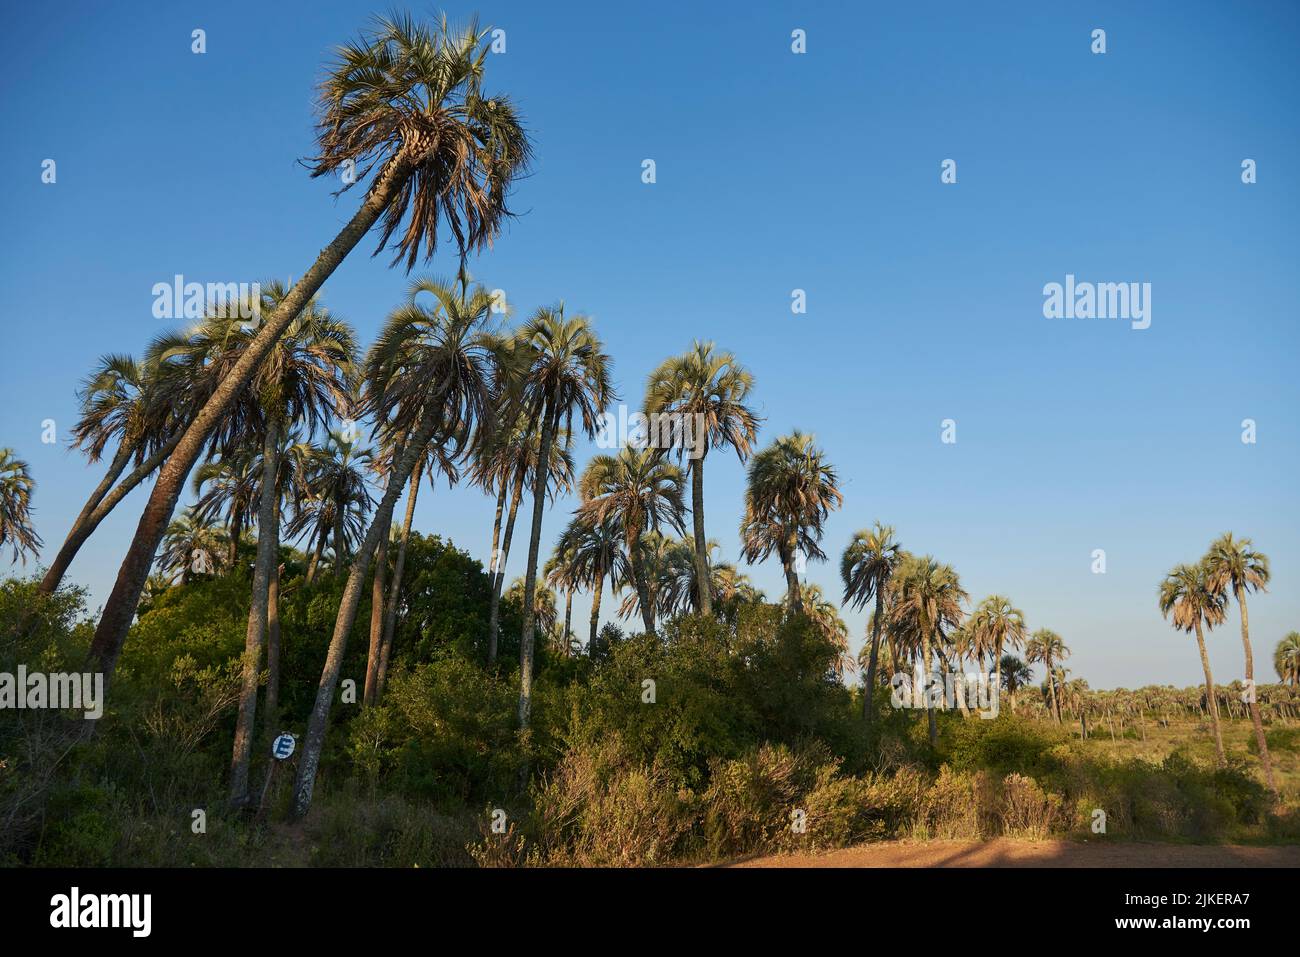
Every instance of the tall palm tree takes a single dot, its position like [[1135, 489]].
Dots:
[[404, 102], [1286, 659], [1186, 595], [16, 487], [925, 601], [640, 492], [428, 374], [791, 490], [567, 374], [1233, 565], [1047, 647], [866, 567], [708, 388], [192, 546], [594, 551], [304, 381], [994, 624]]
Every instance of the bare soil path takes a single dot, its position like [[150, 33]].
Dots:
[[1004, 852]]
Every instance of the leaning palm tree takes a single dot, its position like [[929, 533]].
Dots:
[[1048, 648], [428, 375], [791, 490], [119, 407], [1232, 565], [703, 392], [566, 373], [594, 551], [866, 567], [16, 487], [925, 602], [404, 102], [1286, 659], [304, 381], [640, 492], [995, 624]]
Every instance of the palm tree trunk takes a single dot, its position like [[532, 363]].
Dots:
[[494, 557], [568, 619], [704, 597], [1209, 694], [115, 622], [595, 611], [792, 583], [925, 687], [316, 554], [236, 529], [870, 688], [314, 740], [550, 422], [997, 670], [639, 582], [1253, 703], [56, 571], [263, 569], [83, 530], [1051, 688], [494, 616], [273, 646], [377, 592], [395, 589], [338, 540]]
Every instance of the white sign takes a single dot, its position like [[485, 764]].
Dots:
[[284, 746]]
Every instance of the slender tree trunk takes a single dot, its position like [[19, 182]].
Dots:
[[598, 587], [568, 619], [870, 688], [1051, 690], [273, 647], [494, 558], [997, 670], [639, 582], [792, 584], [550, 421], [120, 608], [339, 547], [395, 589], [1253, 703], [1209, 694], [236, 530], [314, 740], [929, 711], [84, 529], [494, 616], [263, 570], [54, 574], [703, 593], [316, 554], [377, 592]]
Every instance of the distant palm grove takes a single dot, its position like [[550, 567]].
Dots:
[[428, 693]]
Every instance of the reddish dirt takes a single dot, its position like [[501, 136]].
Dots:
[[1004, 852]]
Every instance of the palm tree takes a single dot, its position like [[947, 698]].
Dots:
[[304, 381], [1233, 565], [227, 489], [639, 492], [16, 487], [337, 502], [866, 567], [791, 490], [826, 618], [1286, 659], [994, 624], [428, 374], [1186, 595], [543, 605], [405, 102], [1047, 647], [594, 551], [925, 601], [192, 546], [707, 389], [1016, 674], [558, 575], [567, 373], [668, 566], [119, 407]]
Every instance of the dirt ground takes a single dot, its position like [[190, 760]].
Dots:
[[1010, 853]]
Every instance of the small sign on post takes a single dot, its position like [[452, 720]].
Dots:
[[284, 746]]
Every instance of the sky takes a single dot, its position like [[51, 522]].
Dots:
[[775, 171]]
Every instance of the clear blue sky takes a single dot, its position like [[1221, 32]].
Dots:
[[775, 171]]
